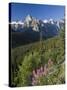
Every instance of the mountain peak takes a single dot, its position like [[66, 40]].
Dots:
[[28, 17]]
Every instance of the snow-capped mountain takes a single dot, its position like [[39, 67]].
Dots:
[[30, 29], [28, 20], [33, 24], [51, 21], [16, 25], [45, 21], [62, 23]]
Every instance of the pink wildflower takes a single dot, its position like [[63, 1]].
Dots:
[[45, 70]]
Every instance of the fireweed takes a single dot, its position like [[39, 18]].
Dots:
[[42, 71]]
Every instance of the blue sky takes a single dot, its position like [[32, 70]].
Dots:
[[20, 10]]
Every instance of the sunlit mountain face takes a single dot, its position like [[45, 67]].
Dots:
[[30, 29]]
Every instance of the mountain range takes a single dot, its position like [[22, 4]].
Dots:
[[31, 29]]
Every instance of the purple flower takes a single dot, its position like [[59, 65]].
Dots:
[[38, 71], [42, 71], [33, 72], [34, 82], [45, 70]]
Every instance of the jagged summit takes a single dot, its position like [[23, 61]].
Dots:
[[31, 23], [28, 17], [28, 20]]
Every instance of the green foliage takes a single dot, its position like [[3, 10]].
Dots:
[[62, 33], [30, 62], [55, 77], [26, 58]]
